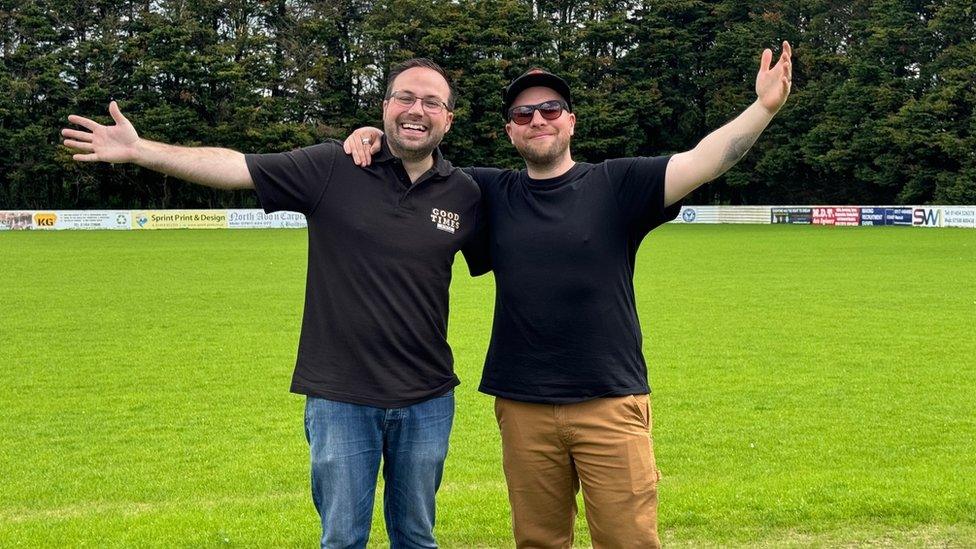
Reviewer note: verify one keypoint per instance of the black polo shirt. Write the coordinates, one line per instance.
(380, 252)
(563, 252)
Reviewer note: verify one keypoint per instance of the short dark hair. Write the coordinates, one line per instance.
(425, 63)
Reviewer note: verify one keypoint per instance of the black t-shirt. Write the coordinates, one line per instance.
(563, 250)
(380, 251)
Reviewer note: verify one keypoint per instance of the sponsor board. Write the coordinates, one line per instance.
(872, 216)
(954, 216)
(793, 216)
(82, 220)
(257, 219)
(45, 220)
(927, 217)
(833, 215)
(743, 214)
(823, 216)
(179, 219)
(898, 216)
(758, 215)
(16, 221)
(847, 216)
(698, 214)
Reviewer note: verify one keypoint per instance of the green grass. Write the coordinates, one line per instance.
(813, 387)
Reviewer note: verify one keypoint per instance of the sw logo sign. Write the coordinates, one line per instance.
(927, 217)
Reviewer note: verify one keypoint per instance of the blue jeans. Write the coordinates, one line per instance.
(346, 444)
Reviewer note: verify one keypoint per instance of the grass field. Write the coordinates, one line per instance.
(813, 387)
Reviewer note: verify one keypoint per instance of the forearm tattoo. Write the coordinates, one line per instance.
(737, 148)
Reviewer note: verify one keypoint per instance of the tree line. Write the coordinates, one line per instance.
(882, 110)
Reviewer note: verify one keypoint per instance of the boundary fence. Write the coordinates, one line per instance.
(908, 216)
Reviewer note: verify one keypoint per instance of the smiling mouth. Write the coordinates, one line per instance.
(411, 128)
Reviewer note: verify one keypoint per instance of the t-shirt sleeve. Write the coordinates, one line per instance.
(477, 252)
(292, 181)
(638, 184)
(484, 177)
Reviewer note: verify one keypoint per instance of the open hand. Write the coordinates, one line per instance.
(362, 144)
(102, 143)
(773, 83)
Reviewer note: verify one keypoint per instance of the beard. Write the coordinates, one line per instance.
(411, 149)
(542, 156)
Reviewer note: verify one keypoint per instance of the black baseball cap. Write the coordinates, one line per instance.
(531, 79)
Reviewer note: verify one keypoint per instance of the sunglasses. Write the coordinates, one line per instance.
(550, 110)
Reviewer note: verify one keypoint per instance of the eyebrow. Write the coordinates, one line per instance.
(415, 94)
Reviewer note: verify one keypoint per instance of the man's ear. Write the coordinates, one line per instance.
(450, 121)
(572, 123)
(508, 131)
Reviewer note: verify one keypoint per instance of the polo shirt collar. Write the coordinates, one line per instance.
(441, 166)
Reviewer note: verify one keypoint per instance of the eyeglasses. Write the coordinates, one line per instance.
(550, 110)
(431, 105)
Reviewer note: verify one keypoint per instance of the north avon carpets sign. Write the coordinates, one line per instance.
(257, 219)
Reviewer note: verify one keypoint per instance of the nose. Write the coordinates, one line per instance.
(537, 119)
(416, 108)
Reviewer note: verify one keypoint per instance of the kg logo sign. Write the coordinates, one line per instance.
(688, 215)
(45, 220)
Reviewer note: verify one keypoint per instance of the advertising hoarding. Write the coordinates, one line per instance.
(257, 219)
(793, 216)
(179, 219)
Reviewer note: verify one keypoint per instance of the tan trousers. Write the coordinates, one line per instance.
(548, 451)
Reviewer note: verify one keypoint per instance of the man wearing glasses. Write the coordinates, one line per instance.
(565, 361)
(373, 359)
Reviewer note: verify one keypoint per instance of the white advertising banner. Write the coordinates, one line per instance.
(724, 214)
(60, 220)
(927, 216)
(257, 219)
(959, 216)
(697, 214)
(179, 219)
(16, 221)
(744, 214)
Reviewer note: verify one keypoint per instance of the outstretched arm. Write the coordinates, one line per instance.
(210, 166)
(723, 148)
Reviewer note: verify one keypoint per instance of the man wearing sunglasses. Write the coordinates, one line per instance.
(565, 361)
(373, 359)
